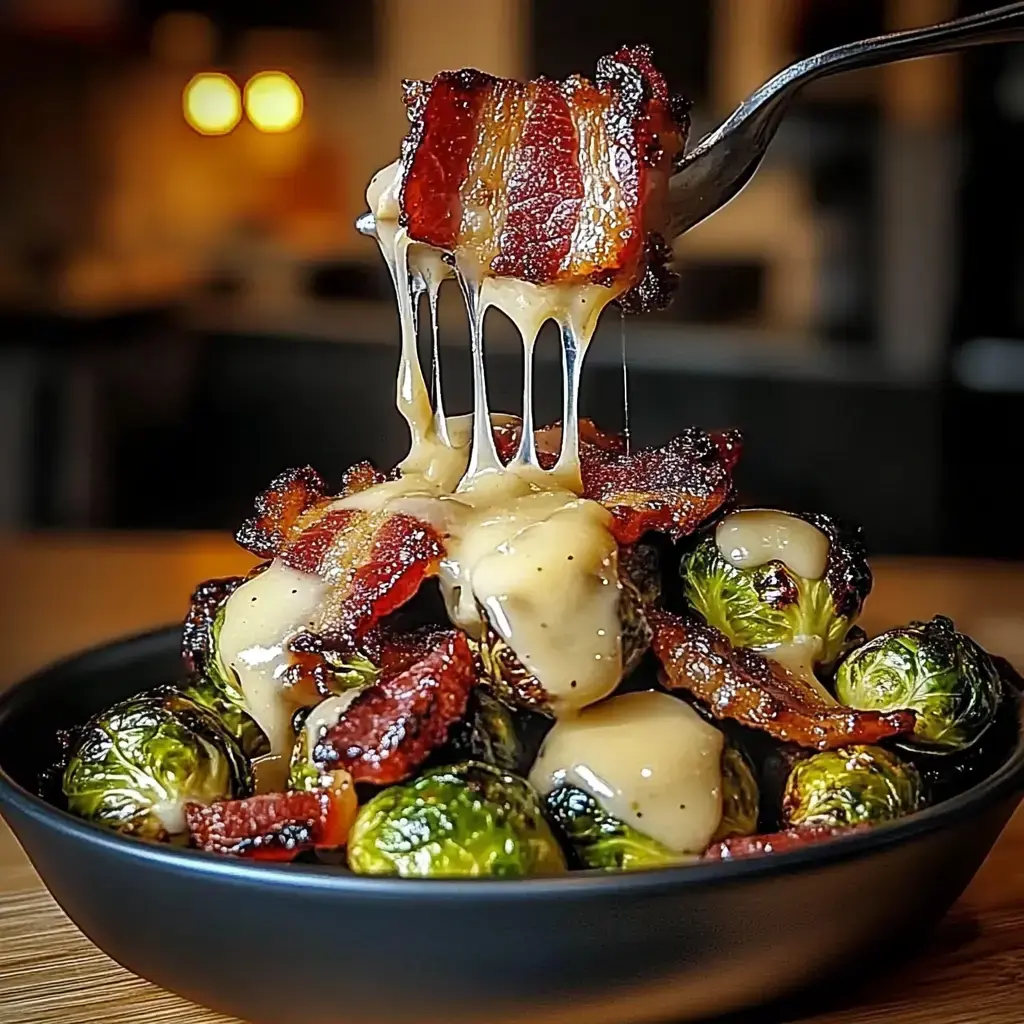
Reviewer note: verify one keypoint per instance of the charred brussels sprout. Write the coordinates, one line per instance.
(487, 733)
(466, 820)
(602, 842)
(942, 675)
(740, 795)
(851, 786)
(134, 766)
(213, 685)
(768, 605)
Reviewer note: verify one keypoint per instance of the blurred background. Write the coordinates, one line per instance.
(186, 308)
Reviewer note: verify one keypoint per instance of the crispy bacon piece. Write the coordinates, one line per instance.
(279, 511)
(548, 181)
(360, 477)
(206, 601)
(391, 727)
(374, 561)
(593, 441)
(776, 842)
(292, 502)
(673, 489)
(275, 826)
(743, 685)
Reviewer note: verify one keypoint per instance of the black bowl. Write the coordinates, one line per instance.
(291, 944)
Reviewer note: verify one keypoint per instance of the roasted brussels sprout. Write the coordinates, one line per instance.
(740, 795)
(487, 733)
(942, 675)
(469, 819)
(600, 841)
(767, 605)
(134, 766)
(213, 685)
(851, 786)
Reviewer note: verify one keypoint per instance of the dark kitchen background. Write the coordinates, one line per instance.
(186, 308)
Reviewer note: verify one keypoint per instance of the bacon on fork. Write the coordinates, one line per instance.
(547, 181)
(741, 684)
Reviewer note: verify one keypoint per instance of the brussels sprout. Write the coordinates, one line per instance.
(466, 820)
(740, 795)
(851, 786)
(487, 733)
(601, 841)
(942, 675)
(769, 605)
(214, 685)
(134, 766)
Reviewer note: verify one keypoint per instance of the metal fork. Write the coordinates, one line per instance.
(722, 163)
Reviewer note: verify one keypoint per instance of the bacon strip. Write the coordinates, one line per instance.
(391, 727)
(776, 842)
(375, 562)
(441, 143)
(743, 685)
(594, 442)
(279, 511)
(547, 181)
(673, 489)
(275, 826)
(294, 500)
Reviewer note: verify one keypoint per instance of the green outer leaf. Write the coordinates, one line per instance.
(851, 786)
(944, 676)
(601, 841)
(149, 754)
(469, 819)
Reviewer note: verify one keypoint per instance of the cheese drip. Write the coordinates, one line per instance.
(648, 759)
(261, 616)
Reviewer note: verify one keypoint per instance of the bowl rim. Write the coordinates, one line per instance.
(1007, 781)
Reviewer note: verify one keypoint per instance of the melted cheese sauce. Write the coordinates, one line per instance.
(261, 616)
(648, 759)
(754, 537)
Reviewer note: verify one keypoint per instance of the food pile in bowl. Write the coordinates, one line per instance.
(527, 651)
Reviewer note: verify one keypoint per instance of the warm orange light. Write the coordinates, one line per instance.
(273, 101)
(212, 104)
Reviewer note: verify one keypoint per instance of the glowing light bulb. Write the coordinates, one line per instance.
(211, 103)
(273, 101)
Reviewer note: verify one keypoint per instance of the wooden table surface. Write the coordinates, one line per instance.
(63, 593)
